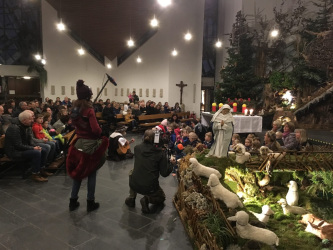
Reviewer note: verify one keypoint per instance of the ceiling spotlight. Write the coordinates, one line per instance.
(43, 61)
(218, 44)
(188, 36)
(164, 3)
(139, 60)
(130, 43)
(109, 66)
(174, 52)
(154, 22)
(274, 33)
(38, 57)
(61, 26)
(81, 51)
(26, 77)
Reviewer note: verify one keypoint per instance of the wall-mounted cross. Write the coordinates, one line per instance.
(181, 85)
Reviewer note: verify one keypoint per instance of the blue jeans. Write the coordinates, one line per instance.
(45, 152)
(90, 186)
(34, 157)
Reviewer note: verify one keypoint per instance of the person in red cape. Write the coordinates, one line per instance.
(87, 152)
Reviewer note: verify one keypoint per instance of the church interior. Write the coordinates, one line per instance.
(237, 94)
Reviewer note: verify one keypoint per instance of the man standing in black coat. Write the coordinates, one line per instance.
(150, 162)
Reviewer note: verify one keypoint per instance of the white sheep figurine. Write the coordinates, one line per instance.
(265, 151)
(221, 193)
(292, 195)
(241, 154)
(287, 209)
(247, 231)
(266, 211)
(202, 170)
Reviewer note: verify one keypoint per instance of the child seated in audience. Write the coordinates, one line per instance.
(208, 142)
(248, 144)
(255, 146)
(185, 136)
(179, 148)
(57, 137)
(130, 119)
(233, 141)
(194, 139)
(279, 135)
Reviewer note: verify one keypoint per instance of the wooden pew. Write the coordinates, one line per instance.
(184, 116)
(121, 120)
(149, 121)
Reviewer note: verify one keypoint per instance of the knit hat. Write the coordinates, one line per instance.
(164, 122)
(83, 91)
(180, 146)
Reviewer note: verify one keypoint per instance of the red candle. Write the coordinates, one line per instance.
(243, 108)
(214, 107)
(234, 107)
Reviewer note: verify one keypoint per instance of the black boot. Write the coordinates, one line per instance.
(145, 205)
(130, 202)
(92, 205)
(73, 204)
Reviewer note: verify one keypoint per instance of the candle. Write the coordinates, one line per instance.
(214, 107)
(246, 111)
(234, 107)
(220, 105)
(243, 108)
(251, 111)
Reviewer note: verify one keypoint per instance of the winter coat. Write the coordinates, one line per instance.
(150, 162)
(18, 139)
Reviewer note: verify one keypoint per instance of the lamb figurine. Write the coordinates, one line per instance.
(292, 195)
(241, 154)
(247, 231)
(266, 211)
(221, 193)
(202, 170)
(287, 209)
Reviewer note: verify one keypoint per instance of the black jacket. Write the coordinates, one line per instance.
(150, 163)
(18, 139)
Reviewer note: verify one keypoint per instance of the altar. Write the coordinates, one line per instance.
(243, 124)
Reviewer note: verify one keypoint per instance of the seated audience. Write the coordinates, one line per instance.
(166, 108)
(279, 135)
(248, 144)
(270, 141)
(199, 129)
(174, 119)
(177, 108)
(277, 126)
(129, 118)
(302, 139)
(289, 138)
(185, 136)
(208, 142)
(19, 145)
(234, 142)
(194, 139)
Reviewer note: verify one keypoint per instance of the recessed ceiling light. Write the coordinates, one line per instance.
(109, 66)
(26, 77)
(154, 22)
(139, 60)
(81, 51)
(61, 26)
(164, 3)
(218, 44)
(130, 43)
(43, 61)
(188, 36)
(174, 52)
(38, 57)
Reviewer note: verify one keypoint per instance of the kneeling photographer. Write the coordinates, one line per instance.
(151, 161)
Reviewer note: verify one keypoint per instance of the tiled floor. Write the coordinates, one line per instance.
(35, 215)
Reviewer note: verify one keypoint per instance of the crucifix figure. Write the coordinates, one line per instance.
(181, 86)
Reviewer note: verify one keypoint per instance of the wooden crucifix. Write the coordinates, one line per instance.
(181, 85)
